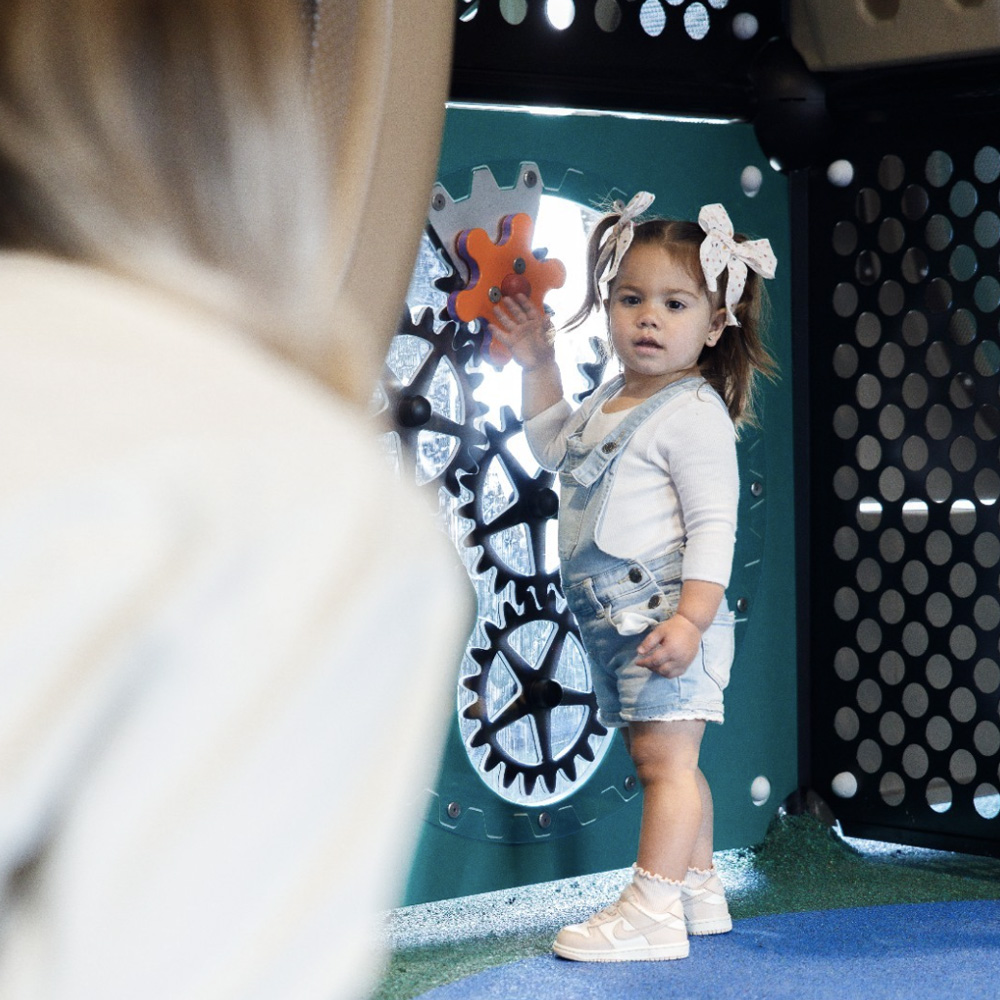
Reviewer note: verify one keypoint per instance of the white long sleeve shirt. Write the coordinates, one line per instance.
(677, 484)
(228, 638)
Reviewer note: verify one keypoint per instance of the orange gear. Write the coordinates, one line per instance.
(498, 269)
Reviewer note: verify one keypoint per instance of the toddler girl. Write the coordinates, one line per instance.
(647, 525)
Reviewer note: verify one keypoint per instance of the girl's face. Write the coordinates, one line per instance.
(659, 318)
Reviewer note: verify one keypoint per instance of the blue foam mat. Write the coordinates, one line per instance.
(920, 951)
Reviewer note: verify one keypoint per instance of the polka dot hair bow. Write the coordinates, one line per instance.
(719, 252)
(619, 239)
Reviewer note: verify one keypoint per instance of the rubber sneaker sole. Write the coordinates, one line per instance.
(640, 953)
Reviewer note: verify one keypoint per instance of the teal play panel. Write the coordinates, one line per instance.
(476, 839)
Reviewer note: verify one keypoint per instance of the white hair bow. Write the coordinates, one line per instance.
(720, 251)
(619, 239)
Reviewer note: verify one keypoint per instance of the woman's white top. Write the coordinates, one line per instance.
(677, 482)
(228, 642)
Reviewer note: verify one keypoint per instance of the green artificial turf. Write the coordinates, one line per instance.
(801, 865)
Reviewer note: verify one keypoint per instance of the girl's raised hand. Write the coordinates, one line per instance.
(524, 331)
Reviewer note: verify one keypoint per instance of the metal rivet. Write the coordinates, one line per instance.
(438, 202)
(495, 294)
(630, 783)
(530, 178)
(635, 574)
(519, 265)
(454, 810)
(742, 604)
(608, 447)
(654, 601)
(756, 488)
(544, 820)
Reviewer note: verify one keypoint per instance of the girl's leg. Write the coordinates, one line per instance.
(677, 805)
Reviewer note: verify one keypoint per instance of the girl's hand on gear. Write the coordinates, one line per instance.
(670, 647)
(524, 331)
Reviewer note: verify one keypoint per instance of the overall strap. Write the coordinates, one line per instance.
(593, 466)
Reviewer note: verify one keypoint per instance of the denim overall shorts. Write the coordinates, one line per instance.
(616, 601)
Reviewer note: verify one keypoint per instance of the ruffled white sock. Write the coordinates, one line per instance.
(657, 892)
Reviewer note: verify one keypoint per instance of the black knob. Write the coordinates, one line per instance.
(547, 503)
(413, 411)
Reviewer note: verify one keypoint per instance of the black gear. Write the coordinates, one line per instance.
(539, 694)
(411, 412)
(535, 504)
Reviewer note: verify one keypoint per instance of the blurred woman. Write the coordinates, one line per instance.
(226, 632)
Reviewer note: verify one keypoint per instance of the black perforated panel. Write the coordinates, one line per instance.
(905, 413)
(686, 57)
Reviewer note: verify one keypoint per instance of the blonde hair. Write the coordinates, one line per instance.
(732, 366)
(173, 142)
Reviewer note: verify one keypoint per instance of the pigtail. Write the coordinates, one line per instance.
(734, 365)
(592, 300)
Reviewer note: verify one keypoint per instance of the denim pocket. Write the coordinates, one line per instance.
(641, 609)
(718, 646)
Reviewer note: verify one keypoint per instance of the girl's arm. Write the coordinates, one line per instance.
(526, 333)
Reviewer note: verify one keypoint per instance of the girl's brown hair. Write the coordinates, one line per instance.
(733, 365)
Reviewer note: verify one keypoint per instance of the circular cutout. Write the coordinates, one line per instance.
(846, 724)
(869, 696)
(914, 328)
(962, 390)
(962, 767)
(987, 422)
(963, 199)
(891, 788)
(846, 665)
(845, 543)
(891, 360)
(915, 639)
(915, 453)
(845, 483)
(962, 705)
(915, 761)
(987, 679)
(891, 422)
(845, 360)
(987, 230)
(891, 235)
(963, 454)
(937, 360)
(914, 202)
(891, 607)
(869, 756)
(986, 739)
(939, 672)
(938, 422)
(608, 14)
(915, 577)
(891, 172)
(915, 266)
(696, 22)
(868, 391)
(987, 801)
(868, 329)
(986, 613)
(962, 517)
(869, 573)
(868, 267)
(939, 168)
(891, 484)
(938, 610)
(845, 604)
(914, 391)
(938, 485)
(868, 205)
(845, 299)
(987, 293)
(939, 296)
(560, 13)
(868, 452)
(892, 545)
(938, 547)
(962, 642)
(986, 165)
(845, 422)
(986, 549)
(869, 635)
(891, 667)
(939, 232)
(745, 26)
(962, 327)
(962, 580)
(939, 795)
(963, 263)
(892, 729)
(986, 360)
(513, 11)
(891, 298)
